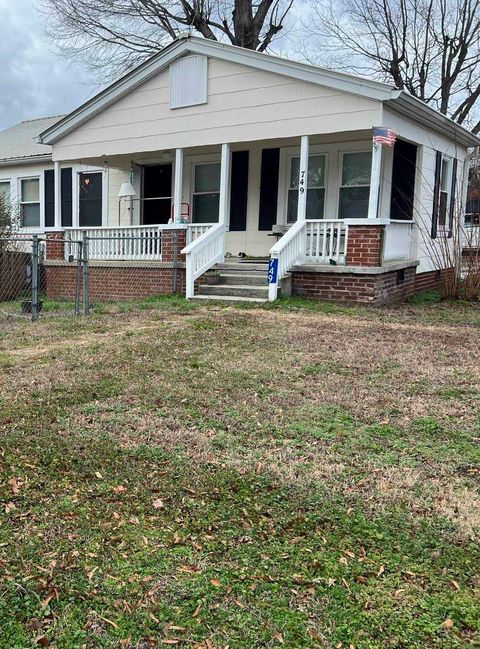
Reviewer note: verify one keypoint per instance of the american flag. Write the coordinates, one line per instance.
(382, 135)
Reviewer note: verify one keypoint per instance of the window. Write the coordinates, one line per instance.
(444, 192)
(5, 190)
(206, 193)
(355, 187)
(315, 188)
(30, 202)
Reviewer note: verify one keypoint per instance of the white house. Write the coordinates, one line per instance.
(240, 148)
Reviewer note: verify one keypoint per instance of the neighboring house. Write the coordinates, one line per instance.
(248, 147)
(27, 177)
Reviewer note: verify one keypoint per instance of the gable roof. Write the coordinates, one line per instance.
(397, 99)
(17, 143)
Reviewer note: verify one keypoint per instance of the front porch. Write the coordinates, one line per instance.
(313, 204)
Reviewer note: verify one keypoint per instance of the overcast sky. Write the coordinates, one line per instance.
(33, 81)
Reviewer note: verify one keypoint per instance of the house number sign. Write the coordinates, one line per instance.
(272, 271)
(302, 182)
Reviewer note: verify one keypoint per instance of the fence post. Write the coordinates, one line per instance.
(35, 243)
(86, 292)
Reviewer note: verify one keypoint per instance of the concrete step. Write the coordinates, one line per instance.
(237, 290)
(252, 278)
(243, 267)
(229, 298)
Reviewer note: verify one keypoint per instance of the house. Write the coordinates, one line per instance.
(27, 177)
(209, 151)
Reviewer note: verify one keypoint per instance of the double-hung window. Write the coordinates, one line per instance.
(30, 202)
(444, 192)
(315, 188)
(206, 192)
(355, 186)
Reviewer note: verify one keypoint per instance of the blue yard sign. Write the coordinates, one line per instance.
(272, 271)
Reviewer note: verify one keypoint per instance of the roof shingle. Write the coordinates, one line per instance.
(18, 142)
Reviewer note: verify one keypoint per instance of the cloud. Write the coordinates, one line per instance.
(33, 81)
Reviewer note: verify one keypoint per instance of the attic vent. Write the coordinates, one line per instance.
(188, 81)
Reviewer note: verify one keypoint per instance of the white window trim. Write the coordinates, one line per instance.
(198, 163)
(340, 175)
(293, 156)
(41, 202)
(334, 152)
(448, 191)
(189, 174)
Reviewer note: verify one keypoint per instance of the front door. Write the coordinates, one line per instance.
(157, 194)
(90, 200)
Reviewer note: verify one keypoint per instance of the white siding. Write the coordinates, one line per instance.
(428, 142)
(244, 105)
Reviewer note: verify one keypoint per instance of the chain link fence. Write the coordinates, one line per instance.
(23, 280)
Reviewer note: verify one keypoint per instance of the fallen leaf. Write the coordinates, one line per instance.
(331, 581)
(279, 637)
(197, 611)
(98, 475)
(158, 504)
(381, 570)
(43, 641)
(448, 624)
(14, 486)
(120, 489)
(454, 584)
(216, 582)
(9, 507)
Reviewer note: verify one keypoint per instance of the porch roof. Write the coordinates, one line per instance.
(396, 99)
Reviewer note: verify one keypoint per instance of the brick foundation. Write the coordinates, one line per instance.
(428, 281)
(110, 283)
(375, 289)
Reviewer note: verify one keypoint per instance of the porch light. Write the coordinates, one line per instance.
(127, 190)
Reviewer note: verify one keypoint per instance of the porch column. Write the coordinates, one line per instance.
(303, 179)
(224, 204)
(57, 195)
(375, 178)
(177, 192)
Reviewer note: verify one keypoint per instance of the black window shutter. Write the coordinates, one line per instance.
(49, 197)
(239, 191)
(66, 193)
(453, 197)
(436, 192)
(267, 216)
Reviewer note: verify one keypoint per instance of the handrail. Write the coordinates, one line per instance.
(203, 253)
(312, 240)
(284, 254)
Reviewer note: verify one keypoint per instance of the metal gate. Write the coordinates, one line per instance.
(25, 277)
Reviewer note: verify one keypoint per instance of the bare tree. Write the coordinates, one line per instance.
(116, 35)
(431, 48)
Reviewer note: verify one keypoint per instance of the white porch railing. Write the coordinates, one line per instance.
(397, 245)
(317, 241)
(196, 230)
(139, 243)
(203, 253)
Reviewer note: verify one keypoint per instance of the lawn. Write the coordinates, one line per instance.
(211, 477)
